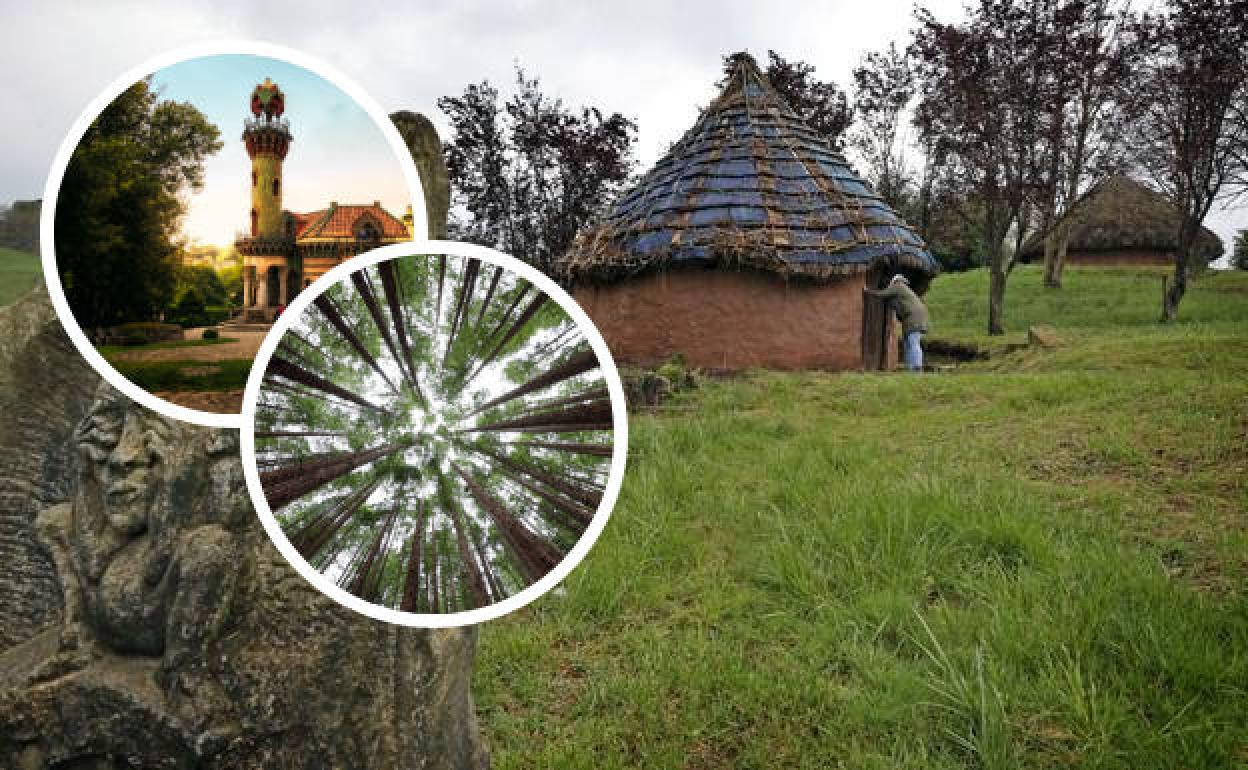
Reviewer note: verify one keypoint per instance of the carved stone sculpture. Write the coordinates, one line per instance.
(164, 630)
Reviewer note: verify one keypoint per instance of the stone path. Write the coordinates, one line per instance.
(246, 347)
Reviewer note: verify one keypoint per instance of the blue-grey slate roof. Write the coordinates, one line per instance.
(749, 185)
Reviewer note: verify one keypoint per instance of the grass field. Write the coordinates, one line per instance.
(228, 374)
(111, 350)
(18, 271)
(1036, 561)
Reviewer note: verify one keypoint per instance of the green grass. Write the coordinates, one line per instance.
(229, 374)
(111, 350)
(1038, 561)
(18, 272)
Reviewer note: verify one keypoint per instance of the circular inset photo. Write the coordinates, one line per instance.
(436, 439)
(195, 199)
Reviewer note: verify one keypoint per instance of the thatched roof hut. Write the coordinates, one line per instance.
(790, 231)
(1122, 222)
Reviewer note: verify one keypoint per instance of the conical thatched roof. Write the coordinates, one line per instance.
(749, 185)
(1120, 214)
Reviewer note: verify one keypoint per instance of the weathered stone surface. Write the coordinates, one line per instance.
(426, 149)
(163, 629)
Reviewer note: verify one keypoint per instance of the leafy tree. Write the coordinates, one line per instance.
(19, 225)
(884, 86)
(528, 173)
(201, 280)
(1239, 257)
(980, 83)
(118, 208)
(1190, 132)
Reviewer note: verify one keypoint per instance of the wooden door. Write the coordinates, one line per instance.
(877, 319)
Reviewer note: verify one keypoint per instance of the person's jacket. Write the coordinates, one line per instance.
(906, 304)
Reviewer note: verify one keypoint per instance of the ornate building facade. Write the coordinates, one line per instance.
(283, 252)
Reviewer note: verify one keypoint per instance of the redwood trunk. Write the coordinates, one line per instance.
(579, 363)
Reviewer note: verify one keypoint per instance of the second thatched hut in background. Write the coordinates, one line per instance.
(747, 245)
(1122, 222)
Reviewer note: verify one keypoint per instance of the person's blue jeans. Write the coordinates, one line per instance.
(914, 351)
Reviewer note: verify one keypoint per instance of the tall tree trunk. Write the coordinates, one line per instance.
(563, 504)
(579, 363)
(390, 287)
(282, 367)
(476, 582)
(591, 450)
(411, 584)
(294, 433)
(360, 279)
(533, 555)
(498, 273)
(1182, 258)
(496, 589)
(529, 311)
(595, 415)
(334, 316)
(313, 537)
(286, 484)
(587, 498)
(466, 287)
(435, 606)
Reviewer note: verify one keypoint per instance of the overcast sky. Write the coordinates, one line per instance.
(653, 61)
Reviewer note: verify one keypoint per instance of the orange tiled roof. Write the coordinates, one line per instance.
(342, 221)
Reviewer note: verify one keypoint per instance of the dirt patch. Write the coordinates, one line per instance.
(220, 401)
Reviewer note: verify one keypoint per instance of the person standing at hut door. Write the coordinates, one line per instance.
(912, 313)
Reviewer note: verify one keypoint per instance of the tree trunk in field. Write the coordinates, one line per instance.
(476, 582)
(579, 363)
(996, 295)
(411, 584)
(331, 313)
(591, 450)
(533, 554)
(1178, 287)
(282, 367)
(595, 415)
(286, 484)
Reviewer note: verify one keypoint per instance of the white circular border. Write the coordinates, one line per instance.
(47, 222)
(619, 413)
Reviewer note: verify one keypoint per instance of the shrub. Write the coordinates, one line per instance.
(210, 334)
(135, 338)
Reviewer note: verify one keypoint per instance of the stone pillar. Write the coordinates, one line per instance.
(262, 288)
(248, 280)
(283, 296)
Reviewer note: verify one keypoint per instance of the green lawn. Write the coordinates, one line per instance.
(1037, 561)
(111, 350)
(18, 272)
(228, 374)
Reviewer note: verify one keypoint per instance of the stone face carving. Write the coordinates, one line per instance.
(163, 629)
(147, 550)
